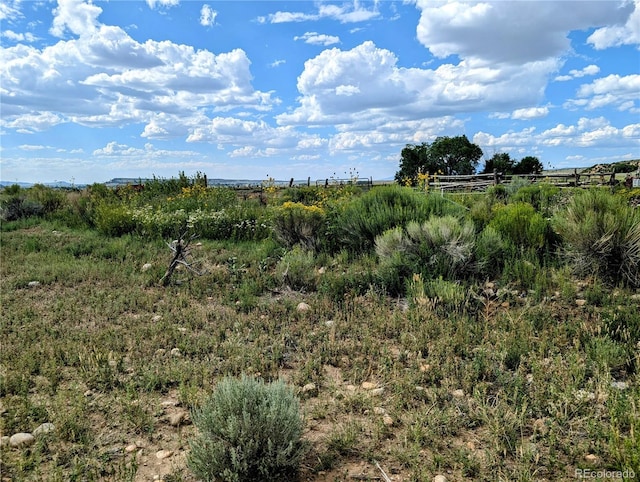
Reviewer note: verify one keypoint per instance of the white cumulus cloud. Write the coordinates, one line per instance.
(207, 16)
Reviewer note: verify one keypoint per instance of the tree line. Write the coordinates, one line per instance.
(457, 156)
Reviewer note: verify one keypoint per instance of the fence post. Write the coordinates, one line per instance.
(308, 181)
(291, 182)
(577, 176)
(496, 179)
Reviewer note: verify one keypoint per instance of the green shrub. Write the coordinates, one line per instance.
(114, 219)
(542, 197)
(17, 207)
(490, 252)
(438, 247)
(296, 223)
(521, 225)
(297, 269)
(602, 236)
(383, 208)
(249, 430)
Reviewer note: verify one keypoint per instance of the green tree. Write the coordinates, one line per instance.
(501, 162)
(446, 155)
(528, 165)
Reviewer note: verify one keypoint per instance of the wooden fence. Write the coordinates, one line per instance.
(480, 182)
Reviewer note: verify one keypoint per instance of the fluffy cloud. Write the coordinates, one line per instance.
(587, 132)
(343, 14)
(621, 34)
(105, 77)
(575, 74)
(162, 3)
(365, 85)
(318, 39)
(530, 113)
(207, 16)
(612, 90)
(509, 32)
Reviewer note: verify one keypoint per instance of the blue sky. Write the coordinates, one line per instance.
(255, 89)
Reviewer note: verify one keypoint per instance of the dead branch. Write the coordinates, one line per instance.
(180, 249)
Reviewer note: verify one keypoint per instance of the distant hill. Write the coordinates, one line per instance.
(620, 166)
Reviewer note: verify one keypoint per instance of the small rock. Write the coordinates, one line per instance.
(322, 270)
(302, 307)
(33, 284)
(620, 385)
(4, 440)
(146, 267)
(329, 323)
(387, 420)
(160, 352)
(425, 368)
(379, 411)
(22, 439)
(351, 388)
(439, 478)
(176, 352)
(591, 458)
(156, 318)
(376, 392)
(176, 419)
(164, 454)
(369, 385)
(131, 448)
(459, 393)
(44, 428)
(309, 388)
(581, 302)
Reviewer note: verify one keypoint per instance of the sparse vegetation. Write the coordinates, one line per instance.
(497, 333)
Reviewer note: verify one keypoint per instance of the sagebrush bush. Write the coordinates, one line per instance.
(248, 430)
(439, 247)
(601, 233)
(383, 208)
(297, 269)
(521, 225)
(490, 252)
(296, 223)
(114, 219)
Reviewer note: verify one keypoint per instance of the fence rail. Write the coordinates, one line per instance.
(480, 182)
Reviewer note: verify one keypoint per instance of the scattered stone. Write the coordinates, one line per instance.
(351, 388)
(33, 284)
(620, 385)
(585, 395)
(44, 428)
(581, 302)
(131, 448)
(156, 318)
(540, 426)
(459, 393)
(164, 454)
(146, 267)
(309, 388)
(425, 368)
(178, 418)
(22, 439)
(387, 420)
(591, 458)
(176, 352)
(302, 307)
(439, 478)
(160, 352)
(329, 323)
(4, 440)
(322, 270)
(369, 385)
(379, 411)
(376, 392)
